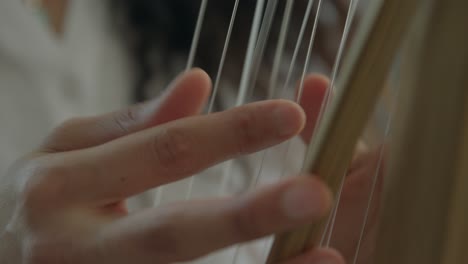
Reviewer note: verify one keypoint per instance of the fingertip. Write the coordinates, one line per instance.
(290, 116)
(195, 79)
(185, 96)
(315, 87)
(306, 198)
(317, 81)
(201, 77)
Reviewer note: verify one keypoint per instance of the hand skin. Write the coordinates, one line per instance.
(69, 195)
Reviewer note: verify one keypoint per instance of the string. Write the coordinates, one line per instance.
(190, 61)
(262, 39)
(217, 80)
(337, 63)
(223, 56)
(275, 70)
(331, 218)
(248, 63)
(255, 66)
(344, 39)
(309, 51)
(280, 48)
(246, 73)
(375, 179)
(260, 49)
(293, 63)
(196, 35)
(327, 99)
(303, 74)
(298, 45)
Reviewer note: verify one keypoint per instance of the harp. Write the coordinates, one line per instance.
(423, 209)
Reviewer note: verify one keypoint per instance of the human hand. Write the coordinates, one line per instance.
(68, 197)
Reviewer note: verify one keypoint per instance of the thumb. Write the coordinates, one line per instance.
(186, 97)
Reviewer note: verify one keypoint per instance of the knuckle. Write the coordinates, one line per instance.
(43, 182)
(171, 149)
(245, 128)
(125, 119)
(60, 134)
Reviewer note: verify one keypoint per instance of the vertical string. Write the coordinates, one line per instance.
(255, 50)
(262, 40)
(274, 75)
(223, 56)
(344, 40)
(190, 61)
(280, 48)
(259, 52)
(293, 63)
(303, 74)
(246, 73)
(196, 35)
(375, 178)
(335, 212)
(337, 63)
(309, 51)
(336, 66)
(249, 58)
(217, 80)
(298, 45)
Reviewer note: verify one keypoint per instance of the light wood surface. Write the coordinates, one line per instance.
(425, 211)
(363, 75)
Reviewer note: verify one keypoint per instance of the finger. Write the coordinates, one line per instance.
(365, 174)
(178, 149)
(186, 97)
(190, 230)
(318, 256)
(315, 87)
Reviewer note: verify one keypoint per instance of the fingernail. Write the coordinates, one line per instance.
(304, 201)
(287, 119)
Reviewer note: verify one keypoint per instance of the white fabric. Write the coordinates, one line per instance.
(44, 81)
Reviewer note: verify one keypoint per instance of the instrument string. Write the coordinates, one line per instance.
(250, 55)
(375, 179)
(280, 48)
(309, 51)
(217, 81)
(328, 231)
(272, 89)
(292, 64)
(344, 40)
(244, 83)
(223, 56)
(304, 72)
(190, 62)
(326, 102)
(262, 40)
(196, 35)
